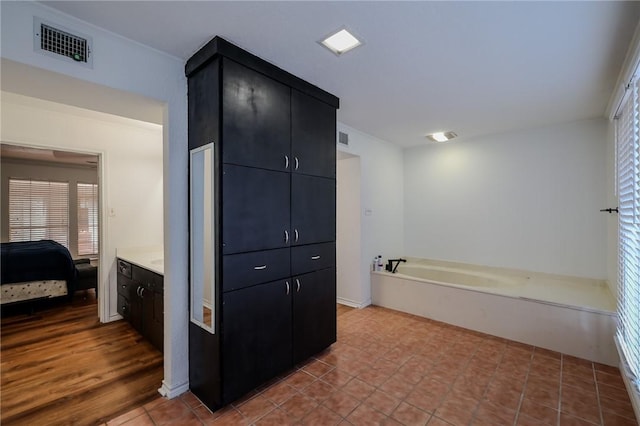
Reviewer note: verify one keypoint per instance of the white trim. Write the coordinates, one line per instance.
(352, 303)
(170, 393)
(634, 396)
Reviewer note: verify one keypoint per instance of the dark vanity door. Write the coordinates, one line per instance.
(255, 119)
(313, 136)
(313, 209)
(255, 209)
(257, 336)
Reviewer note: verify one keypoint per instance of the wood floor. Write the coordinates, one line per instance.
(60, 366)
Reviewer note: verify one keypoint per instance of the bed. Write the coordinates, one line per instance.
(35, 270)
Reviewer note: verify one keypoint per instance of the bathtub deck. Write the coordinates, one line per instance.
(551, 320)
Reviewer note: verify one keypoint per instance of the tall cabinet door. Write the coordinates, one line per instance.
(256, 325)
(255, 209)
(314, 312)
(255, 119)
(313, 209)
(313, 136)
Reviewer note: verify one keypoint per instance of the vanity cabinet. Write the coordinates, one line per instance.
(140, 301)
(274, 164)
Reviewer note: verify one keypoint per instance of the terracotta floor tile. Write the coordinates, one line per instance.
(457, 409)
(143, 420)
(300, 379)
(606, 368)
(341, 403)
(411, 375)
(358, 389)
(547, 353)
(541, 413)
(611, 419)
(489, 414)
(397, 387)
(173, 410)
(473, 386)
(337, 378)
(503, 393)
(319, 390)
(256, 407)
(614, 380)
(614, 392)
(298, 406)
(567, 420)
(318, 368)
(321, 416)
(542, 391)
(435, 421)
(578, 381)
(424, 399)
(620, 407)
(277, 417)
(366, 416)
(279, 393)
(374, 377)
(382, 401)
(524, 420)
(409, 415)
(232, 418)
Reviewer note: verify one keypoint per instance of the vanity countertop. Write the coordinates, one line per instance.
(151, 258)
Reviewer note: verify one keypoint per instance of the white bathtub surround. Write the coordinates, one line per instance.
(151, 258)
(575, 316)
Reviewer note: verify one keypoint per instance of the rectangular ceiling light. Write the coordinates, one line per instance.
(442, 136)
(341, 42)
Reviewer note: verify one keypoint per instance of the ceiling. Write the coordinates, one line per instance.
(475, 68)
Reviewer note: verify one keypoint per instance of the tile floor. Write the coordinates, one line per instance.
(390, 368)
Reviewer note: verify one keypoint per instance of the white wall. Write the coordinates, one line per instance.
(526, 200)
(37, 170)
(612, 219)
(348, 224)
(381, 195)
(125, 66)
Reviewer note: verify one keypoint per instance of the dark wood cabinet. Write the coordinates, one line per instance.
(255, 209)
(256, 128)
(140, 301)
(314, 313)
(275, 162)
(313, 135)
(313, 209)
(257, 336)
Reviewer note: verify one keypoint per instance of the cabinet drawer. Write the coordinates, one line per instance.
(123, 306)
(312, 257)
(247, 269)
(124, 268)
(149, 279)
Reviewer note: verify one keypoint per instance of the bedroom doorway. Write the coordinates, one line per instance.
(53, 194)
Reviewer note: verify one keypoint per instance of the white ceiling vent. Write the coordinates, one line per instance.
(343, 138)
(54, 40)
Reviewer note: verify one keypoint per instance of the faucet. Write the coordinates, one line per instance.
(389, 267)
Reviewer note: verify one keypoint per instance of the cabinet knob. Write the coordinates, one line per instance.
(297, 285)
(296, 235)
(286, 162)
(297, 163)
(288, 287)
(286, 236)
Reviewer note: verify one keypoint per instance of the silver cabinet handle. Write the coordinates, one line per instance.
(295, 232)
(286, 162)
(260, 268)
(141, 291)
(315, 257)
(286, 236)
(296, 162)
(288, 287)
(138, 291)
(297, 285)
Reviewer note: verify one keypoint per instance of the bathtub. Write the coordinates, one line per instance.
(572, 315)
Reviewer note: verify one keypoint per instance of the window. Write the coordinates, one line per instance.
(38, 210)
(628, 165)
(87, 218)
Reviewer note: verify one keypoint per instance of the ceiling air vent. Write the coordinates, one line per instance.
(53, 40)
(343, 138)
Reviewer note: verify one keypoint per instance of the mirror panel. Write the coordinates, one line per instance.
(202, 235)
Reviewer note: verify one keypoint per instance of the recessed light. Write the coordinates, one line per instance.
(442, 136)
(341, 42)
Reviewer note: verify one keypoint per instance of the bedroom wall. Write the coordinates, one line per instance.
(21, 169)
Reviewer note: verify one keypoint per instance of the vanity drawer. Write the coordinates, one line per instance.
(312, 257)
(247, 269)
(123, 306)
(148, 278)
(124, 268)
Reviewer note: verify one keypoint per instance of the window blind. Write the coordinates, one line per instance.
(38, 210)
(87, 218)
(628, 151)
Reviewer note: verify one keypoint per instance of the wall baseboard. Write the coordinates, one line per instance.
(352, 303)
(170, 393)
